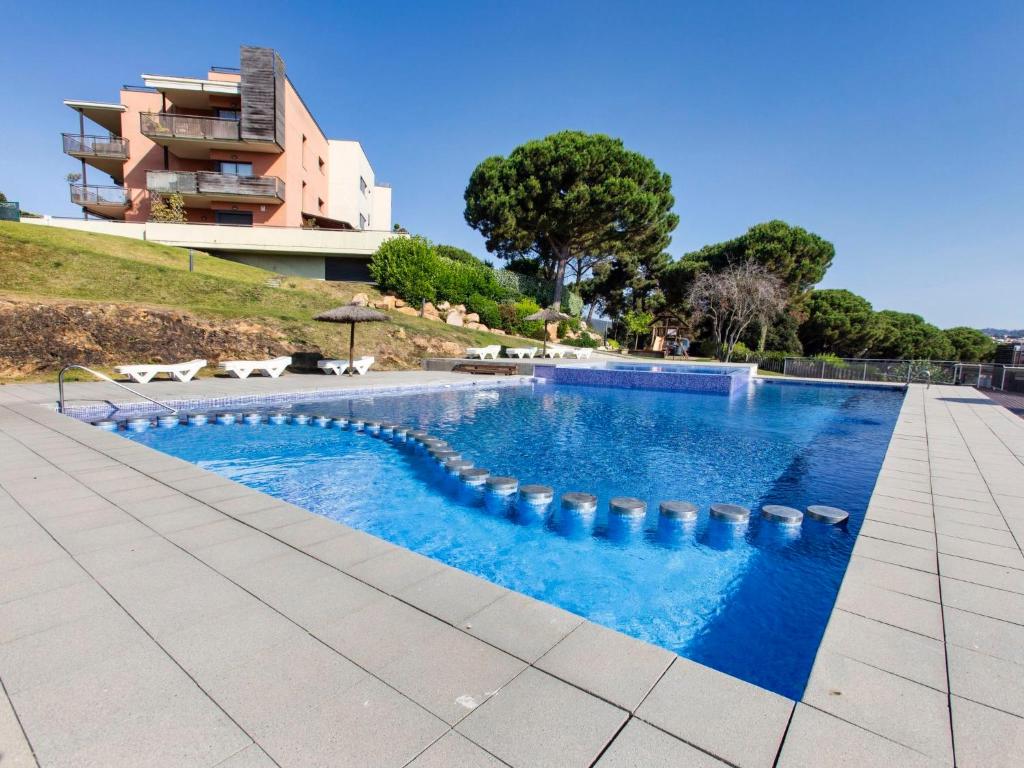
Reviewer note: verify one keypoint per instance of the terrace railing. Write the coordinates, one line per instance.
(92, 194)
(95, 146)
(859, 369)
(214, 183)
(169, 125)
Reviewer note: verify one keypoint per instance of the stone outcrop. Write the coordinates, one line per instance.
(360, 300)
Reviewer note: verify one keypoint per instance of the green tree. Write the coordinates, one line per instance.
(902, 335)
(970, 345)
(839, 323)
(569, 195)
(637, 323)
(456, 254)
(170, 211)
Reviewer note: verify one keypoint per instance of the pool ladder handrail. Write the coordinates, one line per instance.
(104, 377)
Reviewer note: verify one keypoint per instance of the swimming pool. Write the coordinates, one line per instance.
(750, 601)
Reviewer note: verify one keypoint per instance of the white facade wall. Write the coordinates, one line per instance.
(352, 190)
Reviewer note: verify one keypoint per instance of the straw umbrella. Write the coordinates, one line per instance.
(548, 315)
(351, 314)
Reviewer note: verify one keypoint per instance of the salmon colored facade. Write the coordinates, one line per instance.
(239, 146)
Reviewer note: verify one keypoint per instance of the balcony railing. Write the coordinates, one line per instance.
(94, 195)
(213, 184)
(166, 125)
(96, 146)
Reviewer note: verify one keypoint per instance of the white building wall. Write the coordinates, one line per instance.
(352, 190)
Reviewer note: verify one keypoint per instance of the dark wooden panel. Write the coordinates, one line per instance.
(259, 95)
(346, 269)
(279, 81)
(230, 184)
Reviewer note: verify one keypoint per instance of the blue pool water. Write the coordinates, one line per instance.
(752, 602)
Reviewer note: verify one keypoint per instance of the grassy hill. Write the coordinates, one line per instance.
(68, 296)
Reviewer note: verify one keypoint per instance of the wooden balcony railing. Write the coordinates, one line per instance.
(95, 195)
(214, 184)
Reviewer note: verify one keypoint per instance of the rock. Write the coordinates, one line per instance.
(477, 326)
(497, 331)
(552, 329)
(451, 349)
(454, 318)
(460, 308)
(399, 303)
(472, 317)
(385, 302)
(360, 300)
(443, 306)
(407, 310)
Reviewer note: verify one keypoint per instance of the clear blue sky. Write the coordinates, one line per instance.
(893, 129)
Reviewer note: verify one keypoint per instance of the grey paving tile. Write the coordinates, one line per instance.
(15, 750)
(201, 536)
(985, 535)
(20, 556)
(844, 746)
(905, 611)
(986, 680)
(985, 737)
(681, 701)
(521, 626)
(986, 574)
(455, 750)
(250, 757)
(246, 504)
(896, 554)
(639, 745)
(986, 553)
(39, 578)
(346, 551)
(556, 725)
(979, 633)
(306, 705)
(137, 708)
(895, 578)
(452, 595)
(997, 603)
(310, 531)
(80, 542)
(903, 711)
(191, 516)
(174, 502)
(898, 533)
(228, 556)
(41, 611)
(608, 664)
(446, 671)
(905, 519)
(275, 516)
(394, 570)
(907, 654)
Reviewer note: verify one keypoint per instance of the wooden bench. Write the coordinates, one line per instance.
(485, 369)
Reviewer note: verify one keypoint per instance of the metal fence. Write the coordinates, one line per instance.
(10, 211)
(1006, 378)
(859, 369)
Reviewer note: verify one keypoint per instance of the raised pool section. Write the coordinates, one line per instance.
(674, 377)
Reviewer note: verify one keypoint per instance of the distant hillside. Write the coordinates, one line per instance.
(68, 296)
(1014, 333)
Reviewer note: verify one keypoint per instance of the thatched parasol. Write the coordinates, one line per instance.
(548, 315)
(351, 314)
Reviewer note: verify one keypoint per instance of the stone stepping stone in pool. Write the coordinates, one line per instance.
(627, 505)
(536, 494)
(678, 510)
(502, 485)
(827, 515)
(732, 513)
(579, 502)
(474, 476)
(783, 515)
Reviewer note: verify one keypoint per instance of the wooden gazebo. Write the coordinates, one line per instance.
(666, 328)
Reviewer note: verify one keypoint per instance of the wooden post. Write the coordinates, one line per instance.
(351, 347)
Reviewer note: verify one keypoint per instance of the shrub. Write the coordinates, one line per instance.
(170, 211)
(487, 308)
(611, 344)
(513, 319)
(456, 254)
(406, 266)
(572, 304)
(572, 325)
(583, 341)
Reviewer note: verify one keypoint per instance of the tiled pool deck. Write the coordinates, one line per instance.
(152, 613)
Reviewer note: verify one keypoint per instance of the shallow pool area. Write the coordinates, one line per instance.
(751, 600)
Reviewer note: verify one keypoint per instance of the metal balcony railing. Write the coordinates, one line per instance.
(168, 125)
(95, 195)
(214, 184)
(95, 146)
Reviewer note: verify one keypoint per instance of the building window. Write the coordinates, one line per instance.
(236, 218)
(320, 204)
(362, 185)
(303, 150)
(231, 166)
(228, 114)
(363, 221)
(321, 163)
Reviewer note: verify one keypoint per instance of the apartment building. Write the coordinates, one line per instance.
(240, 147)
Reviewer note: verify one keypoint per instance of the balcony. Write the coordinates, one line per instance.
(105, 153)
(200, 188)
(109, 202)
(193, 136)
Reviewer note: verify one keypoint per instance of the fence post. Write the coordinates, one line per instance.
(822, 376)
(191, 261)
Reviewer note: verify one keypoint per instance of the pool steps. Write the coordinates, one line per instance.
(531, 500)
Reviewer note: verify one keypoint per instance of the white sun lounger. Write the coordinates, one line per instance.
(483, 352)
(554, 352)
(242, 369)
(521, 352)
(580, 353)
(360, 365)
(142, 374)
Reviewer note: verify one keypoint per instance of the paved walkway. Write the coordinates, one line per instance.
(152, 614)
(1011, 401)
